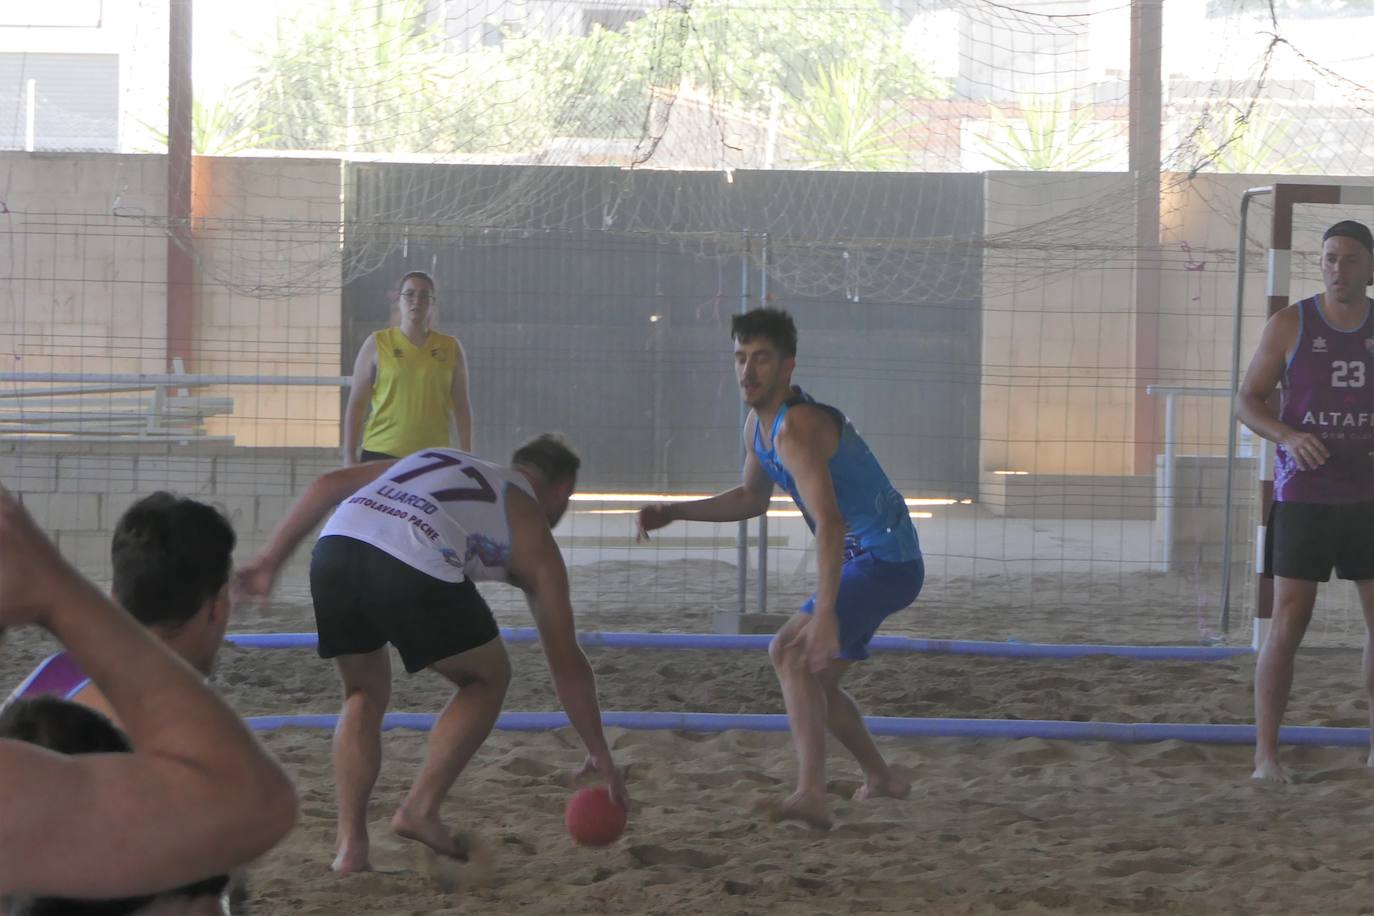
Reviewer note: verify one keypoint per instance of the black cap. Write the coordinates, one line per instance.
(1352, 230)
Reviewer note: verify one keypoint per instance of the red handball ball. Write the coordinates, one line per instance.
(593, 819)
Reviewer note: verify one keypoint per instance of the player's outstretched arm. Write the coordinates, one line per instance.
(537, 568)
(197, 797)
(255, 577)
(748, 500)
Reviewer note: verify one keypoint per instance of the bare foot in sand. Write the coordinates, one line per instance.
(1269, 771)
(890, 786)
(351, 859)
(811, 810)
(429, 831)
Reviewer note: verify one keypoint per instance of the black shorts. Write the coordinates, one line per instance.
(365, 598)
(1305, 540)
(365, 455)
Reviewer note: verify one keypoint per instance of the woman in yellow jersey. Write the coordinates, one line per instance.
(414, 379)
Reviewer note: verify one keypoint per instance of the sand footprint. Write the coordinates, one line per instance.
(653, 854)
(1122, 865)
(527, 766)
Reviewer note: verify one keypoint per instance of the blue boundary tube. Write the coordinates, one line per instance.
(638, 640)
(1140, 732)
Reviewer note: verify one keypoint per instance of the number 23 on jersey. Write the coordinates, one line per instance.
(1347, 373)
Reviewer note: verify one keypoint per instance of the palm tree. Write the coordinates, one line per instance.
(1050, 136)
(1249, 139)
(840, 123)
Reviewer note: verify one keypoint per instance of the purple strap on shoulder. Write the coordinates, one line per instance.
(58, 675)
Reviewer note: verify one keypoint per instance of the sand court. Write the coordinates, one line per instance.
(1021, 826)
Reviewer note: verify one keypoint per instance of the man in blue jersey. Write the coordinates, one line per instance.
(867, 553)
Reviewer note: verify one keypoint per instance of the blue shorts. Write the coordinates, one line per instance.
(871, 590)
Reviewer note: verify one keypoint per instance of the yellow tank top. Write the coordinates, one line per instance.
(412, 399)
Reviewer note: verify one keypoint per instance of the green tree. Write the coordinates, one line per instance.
(220, 128)
(1051, 135)
(377, 78)
(1248, 140)
(360, 77)
(839, 122)
(741, 51)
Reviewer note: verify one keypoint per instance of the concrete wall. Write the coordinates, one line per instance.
(85, 262)
(1058, 325)
(84, 288)
(86, 276)
(267, 294)
(78, 492)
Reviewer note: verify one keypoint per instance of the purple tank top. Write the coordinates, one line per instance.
(57, 675)
(1328, 391)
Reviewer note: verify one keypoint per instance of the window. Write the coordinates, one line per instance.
(74, 98)
(610, 18)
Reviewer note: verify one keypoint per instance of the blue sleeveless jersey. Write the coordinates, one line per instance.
(875, 515)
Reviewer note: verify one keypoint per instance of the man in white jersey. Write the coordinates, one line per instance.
(396, 564)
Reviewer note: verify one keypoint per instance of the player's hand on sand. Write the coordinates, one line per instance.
(819, 641)
(30, 566)
(253, 580)
(1307, 450)
(615, 779)
(651, 518)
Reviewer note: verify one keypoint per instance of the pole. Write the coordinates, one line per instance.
(742, 530)
(180, 269)
(1226, 546)
(763, 519)
(1146, 118)
(30, 113)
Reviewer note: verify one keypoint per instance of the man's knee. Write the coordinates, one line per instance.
(781, 651)
(1289, 626)
(489, 669)
(788, 657)
(498, 678)
(371, 699)
(775, 650)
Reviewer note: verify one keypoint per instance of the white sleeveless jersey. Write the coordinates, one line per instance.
(440, 511)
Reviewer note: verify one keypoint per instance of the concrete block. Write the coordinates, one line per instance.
(96, 473)
(188, 475)
(1066, 496)
(246, 475)
(27, 471)
(89, 552)
(270, 510)
(74, 512)
(308, 468)
(242, 511)
(113, 506)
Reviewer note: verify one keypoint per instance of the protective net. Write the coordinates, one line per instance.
(942, 194)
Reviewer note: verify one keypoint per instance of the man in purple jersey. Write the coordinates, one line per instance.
(1322, 350)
